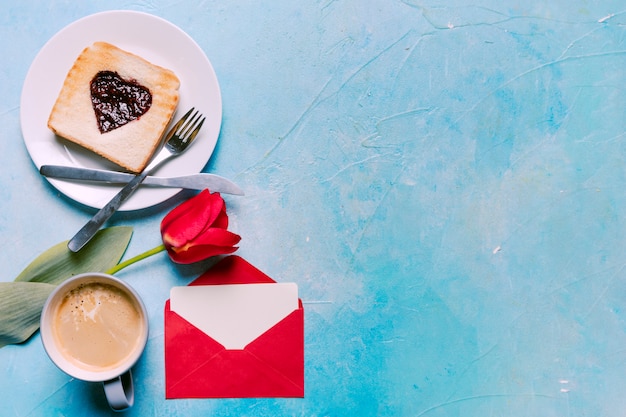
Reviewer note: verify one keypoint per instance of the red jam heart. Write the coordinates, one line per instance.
(117, 101)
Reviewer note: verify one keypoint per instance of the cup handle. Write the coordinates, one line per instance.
(120, 391)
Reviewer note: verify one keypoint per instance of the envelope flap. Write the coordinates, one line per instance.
(235, 315)
(232, 270)
(188, 347)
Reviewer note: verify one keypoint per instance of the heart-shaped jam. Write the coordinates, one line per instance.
(117, 101)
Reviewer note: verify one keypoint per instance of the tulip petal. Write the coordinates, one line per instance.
(221, 221)
(215, 242)
(185, 222)
(217, 237)
(197, 253)
(190, 216)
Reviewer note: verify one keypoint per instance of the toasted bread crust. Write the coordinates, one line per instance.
(132, 145)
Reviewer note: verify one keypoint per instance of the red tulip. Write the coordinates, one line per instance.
(197, 229)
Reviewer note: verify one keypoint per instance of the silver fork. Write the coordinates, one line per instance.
(180, 136)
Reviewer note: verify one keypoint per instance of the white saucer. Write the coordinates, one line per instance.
(150, 37)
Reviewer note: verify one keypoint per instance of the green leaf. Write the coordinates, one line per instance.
(58, 263)
(20, 309)
(21, 301)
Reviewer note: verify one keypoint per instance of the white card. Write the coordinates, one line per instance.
(234, 315)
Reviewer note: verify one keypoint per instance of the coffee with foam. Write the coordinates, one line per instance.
(94, 327)
(97, 326)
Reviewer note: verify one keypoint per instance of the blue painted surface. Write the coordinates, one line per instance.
(444, 181)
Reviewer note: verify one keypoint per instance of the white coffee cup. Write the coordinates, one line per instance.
(94, 327)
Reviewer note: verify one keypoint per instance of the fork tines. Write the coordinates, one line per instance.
(193, 124)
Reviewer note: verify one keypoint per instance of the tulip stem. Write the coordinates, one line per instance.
(137, 258)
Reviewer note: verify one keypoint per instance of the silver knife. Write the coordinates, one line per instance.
(214, 183)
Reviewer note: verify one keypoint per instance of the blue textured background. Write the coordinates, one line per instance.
(444, 180)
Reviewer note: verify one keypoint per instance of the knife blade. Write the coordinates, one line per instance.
(213, 182)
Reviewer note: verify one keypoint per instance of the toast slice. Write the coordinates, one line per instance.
(115, 104)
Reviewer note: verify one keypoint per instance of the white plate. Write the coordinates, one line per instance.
(150, 37)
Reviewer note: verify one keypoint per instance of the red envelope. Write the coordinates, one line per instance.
(197, 366)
